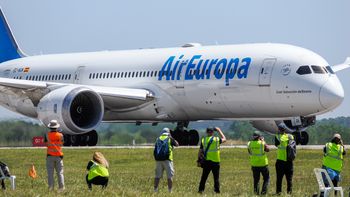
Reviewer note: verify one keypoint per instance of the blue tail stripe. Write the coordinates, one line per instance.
(8, 47)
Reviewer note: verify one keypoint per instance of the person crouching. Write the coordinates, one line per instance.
(97, 171)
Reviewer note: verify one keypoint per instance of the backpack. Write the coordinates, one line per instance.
(161, 150)
(5, 169)
(291, 149)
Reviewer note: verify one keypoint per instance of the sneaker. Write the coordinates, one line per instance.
(155, 189)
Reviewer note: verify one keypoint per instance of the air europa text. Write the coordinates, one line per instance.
(199, 68)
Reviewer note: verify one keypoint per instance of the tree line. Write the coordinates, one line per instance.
(20, 133)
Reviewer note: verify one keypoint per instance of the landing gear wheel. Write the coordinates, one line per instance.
(185, 138)
(297, 137)
(75, 139)
(92, 138)
(194, 137)
(83, 139)
(67, 140)
(304, 138)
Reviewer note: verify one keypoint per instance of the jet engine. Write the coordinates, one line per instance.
(296, 126)
(78, 109)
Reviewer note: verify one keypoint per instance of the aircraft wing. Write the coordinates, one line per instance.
(342, 66)
(113, 98)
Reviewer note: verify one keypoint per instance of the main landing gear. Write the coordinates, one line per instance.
(86, 139)
(301, 137)
(185, 137)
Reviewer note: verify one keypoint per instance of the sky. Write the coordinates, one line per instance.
(66, 26)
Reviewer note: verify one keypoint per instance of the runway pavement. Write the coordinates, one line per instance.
(306, 147)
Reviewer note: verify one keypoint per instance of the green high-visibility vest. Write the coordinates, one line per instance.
(334, 156)
(282, 148)
(258, 157)
(213, 153)
(97, 170)
(164, 137)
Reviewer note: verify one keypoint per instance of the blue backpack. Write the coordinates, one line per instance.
(161, 149)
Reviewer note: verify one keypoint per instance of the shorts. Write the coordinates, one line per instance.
(166, 165)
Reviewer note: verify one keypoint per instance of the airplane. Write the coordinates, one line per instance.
(265, 83)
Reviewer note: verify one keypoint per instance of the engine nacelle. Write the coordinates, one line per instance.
(294, 124)
(77, 109)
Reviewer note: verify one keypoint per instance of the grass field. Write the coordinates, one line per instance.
(132, 171)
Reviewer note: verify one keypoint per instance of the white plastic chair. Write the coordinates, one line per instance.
(12, 179)
(327, 191)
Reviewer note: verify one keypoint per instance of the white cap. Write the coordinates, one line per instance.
(53, 124)
(165, 130)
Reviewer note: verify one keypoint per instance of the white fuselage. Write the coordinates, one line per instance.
(261, 83)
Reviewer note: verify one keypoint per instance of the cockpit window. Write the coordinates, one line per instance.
(304, 70)
(318, 69)
(329, 69)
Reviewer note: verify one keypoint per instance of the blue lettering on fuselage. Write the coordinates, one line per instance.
(199, 68)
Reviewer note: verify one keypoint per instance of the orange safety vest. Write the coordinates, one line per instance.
(54, 143)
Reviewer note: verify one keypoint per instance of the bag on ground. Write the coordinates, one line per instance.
(5, 169)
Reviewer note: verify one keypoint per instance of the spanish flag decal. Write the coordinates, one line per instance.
(26, 69)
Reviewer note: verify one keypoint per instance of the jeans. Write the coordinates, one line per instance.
(207, 167)
(284, 168)
(264, 171)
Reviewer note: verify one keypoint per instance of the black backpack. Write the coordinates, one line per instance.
(161, 150)
(291, 148)
(5, 169)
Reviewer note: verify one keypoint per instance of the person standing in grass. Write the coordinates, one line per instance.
(210, 148)
(333, 158)
(284, 167)
(163, 154)
(54, 159)
(257, 149)
(97, 171)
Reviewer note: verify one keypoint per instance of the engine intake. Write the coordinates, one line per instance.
(78, 109)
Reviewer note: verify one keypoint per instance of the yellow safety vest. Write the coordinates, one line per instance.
(164, 137)
(213, 153)
(258, 157)
(282, 148)
(97, 170)
(334, 156)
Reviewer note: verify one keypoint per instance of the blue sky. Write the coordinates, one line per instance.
(44, 27)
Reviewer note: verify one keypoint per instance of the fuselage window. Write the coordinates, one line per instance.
(133, 73)
(118, 75)
(69, 76)
(121, 74)
(304, 70)
(115, 74)
(45, 77)
(330, 69)
(155, 73)
(137, 74)
(151, 73)
(317, 69)
(129, 74)
(90, 75)
(56, 77)
(104, 75)
(66, 77)
(100, 76)
(107, 75)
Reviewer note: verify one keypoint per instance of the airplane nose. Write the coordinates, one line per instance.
(331, 94)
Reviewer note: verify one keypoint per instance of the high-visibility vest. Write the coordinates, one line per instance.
(282, 147)
(258, 157)
(164, 137)
(97, 170)
(213, 153)
(333, 157)
(54, 143)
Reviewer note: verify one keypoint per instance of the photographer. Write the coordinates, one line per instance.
(257, 149)
(210, 149)
(333, 158)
